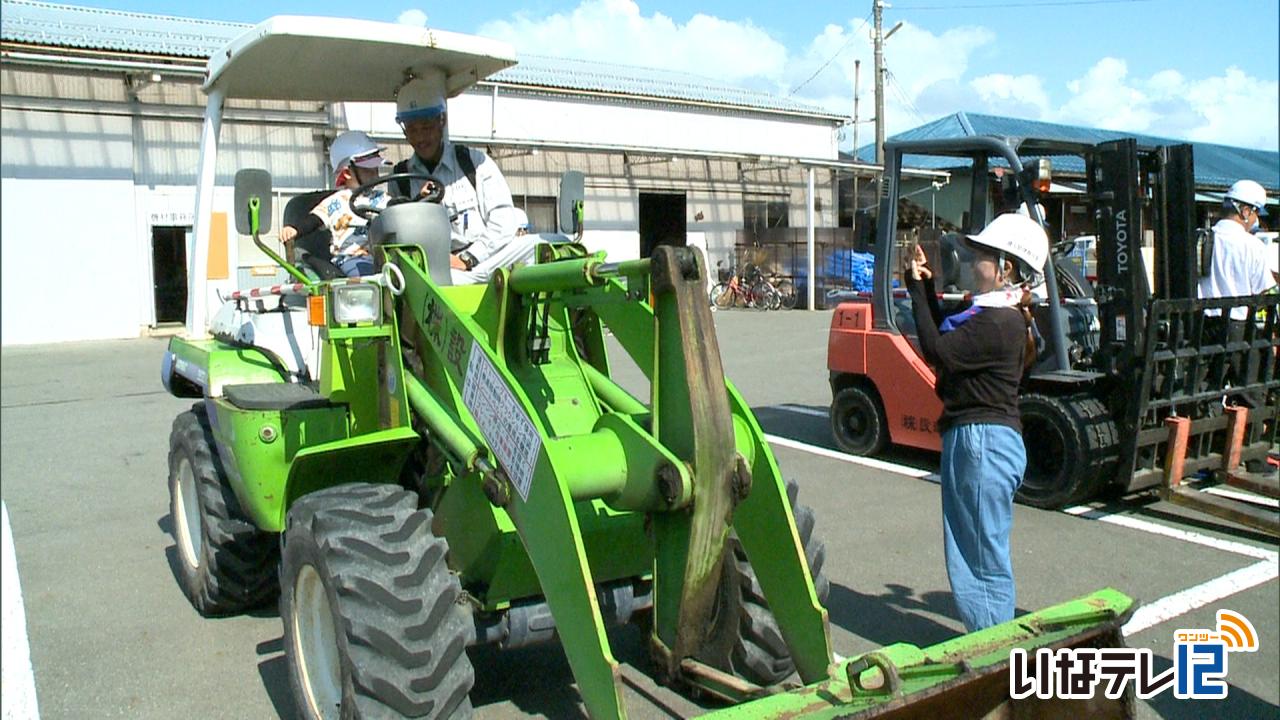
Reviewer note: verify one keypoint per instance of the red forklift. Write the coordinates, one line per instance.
(1127, 391)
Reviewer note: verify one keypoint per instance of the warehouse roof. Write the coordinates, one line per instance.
(86, 28)
(1215, 165)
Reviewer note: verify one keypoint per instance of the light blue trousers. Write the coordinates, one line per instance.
(982, 466)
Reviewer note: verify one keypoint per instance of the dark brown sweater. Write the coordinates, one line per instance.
(979, 364)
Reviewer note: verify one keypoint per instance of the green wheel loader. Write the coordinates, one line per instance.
(418, 467)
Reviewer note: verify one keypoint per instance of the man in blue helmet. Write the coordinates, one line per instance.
(484, 219)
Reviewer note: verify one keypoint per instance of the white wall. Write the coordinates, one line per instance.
(82, 188)
(587, 121)
(70, 267)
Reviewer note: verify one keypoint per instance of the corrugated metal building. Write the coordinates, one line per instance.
(101, 118)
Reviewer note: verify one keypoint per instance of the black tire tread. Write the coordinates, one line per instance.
(755, 649)
(406, 631)
(237, 569)
(1093, 448)
(860, 392)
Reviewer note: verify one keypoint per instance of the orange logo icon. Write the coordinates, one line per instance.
(1236, 632)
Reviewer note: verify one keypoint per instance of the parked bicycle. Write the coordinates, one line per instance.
(750, 288)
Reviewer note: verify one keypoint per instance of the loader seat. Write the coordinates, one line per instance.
(313, 249)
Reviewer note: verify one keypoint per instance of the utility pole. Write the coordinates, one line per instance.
(857, 68)
(878, 12)
(857, 72)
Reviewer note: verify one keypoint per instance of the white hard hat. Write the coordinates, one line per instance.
(1018, 236)
(354, 147)
(1250, 193)
(421, 98)
(522, 219)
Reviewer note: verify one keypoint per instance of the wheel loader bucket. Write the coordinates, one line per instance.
(992, 673)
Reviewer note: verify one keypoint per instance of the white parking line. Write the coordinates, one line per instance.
(16, 676)
(1244, 497)
(852, 459)
(1150, 614)
(1147, 526)
(802, 410)
(1183, 602)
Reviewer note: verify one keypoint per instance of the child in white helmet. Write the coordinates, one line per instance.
(979, 356)
(356, 161)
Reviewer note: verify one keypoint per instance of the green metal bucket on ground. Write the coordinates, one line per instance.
(967, 677)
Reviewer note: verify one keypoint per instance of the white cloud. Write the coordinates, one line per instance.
(1103, 98)
(617, 31)
(923, 66)
(413, 17)
(1236, 109)
(1021, 96)
(1232, 109)
(930, 73)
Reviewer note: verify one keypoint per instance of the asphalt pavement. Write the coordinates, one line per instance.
(84, 433)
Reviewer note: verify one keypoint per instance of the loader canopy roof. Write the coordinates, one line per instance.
(331, 59)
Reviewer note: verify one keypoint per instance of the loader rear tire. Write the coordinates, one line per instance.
(225, 564)
(745, 639)
(374, 625)
(1072, 449)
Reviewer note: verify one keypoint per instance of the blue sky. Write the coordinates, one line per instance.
(1172, 68)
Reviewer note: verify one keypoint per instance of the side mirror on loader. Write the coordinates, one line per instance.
(252, 216)
(572, 194)
(253, 213)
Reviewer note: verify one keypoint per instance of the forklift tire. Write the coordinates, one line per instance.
(745, 639)
(857, 420)
(373, 621)
(225, 564)
(1072, 449)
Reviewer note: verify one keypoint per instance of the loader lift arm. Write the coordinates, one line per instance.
(699, 468)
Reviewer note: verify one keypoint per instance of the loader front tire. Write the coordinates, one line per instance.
(373, 624)
(745, 639)
(1072, 449)
(225, 564)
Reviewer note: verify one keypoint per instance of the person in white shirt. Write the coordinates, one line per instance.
(484, 219)
(1238, 268)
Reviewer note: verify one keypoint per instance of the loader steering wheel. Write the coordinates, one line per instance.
(367, 213)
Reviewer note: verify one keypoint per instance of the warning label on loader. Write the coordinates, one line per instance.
(503, 422)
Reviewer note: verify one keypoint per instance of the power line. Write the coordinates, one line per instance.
(985, 6)
(853, 36)
(902, 95)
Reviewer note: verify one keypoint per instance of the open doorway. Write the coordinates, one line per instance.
(662, 221)
(169, 272)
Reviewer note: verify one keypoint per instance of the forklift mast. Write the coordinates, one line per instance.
(1133, 191)
(1178, 240)
(1122, 292)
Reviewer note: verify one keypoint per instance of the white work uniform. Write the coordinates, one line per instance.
(1239, 267)
(483, 218)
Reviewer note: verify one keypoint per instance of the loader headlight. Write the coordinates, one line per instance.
(357, 303)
